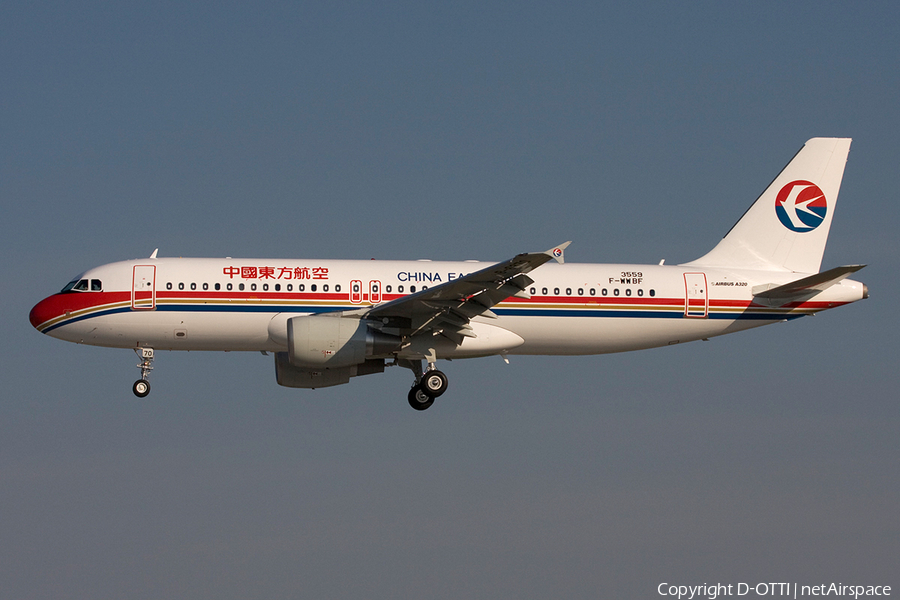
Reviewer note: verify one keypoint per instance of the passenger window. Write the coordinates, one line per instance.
(290, 287)
(252, 287)
(387, 289)
(628, 292)
(640, 292)
(593, 292)
(544, 291)
(205, 286)
(325, 288)
(228, 287)
(652, 292)
(568, 291)
(180, 286)
(241, 287)
(400, 288)
(312, 287)
(616, 292)
(412, 289)
(193, 286)
(337, 287)
(265, 287)
(556, 291)
(604, 292)
(218, 286)
(301, 287)
(169, 286)
(277, 287)
(580, 292)
(533, 291)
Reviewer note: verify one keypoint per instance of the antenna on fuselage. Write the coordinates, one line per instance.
(154, 253)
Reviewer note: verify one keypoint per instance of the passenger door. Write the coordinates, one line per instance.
(696, 302)
(143, 289)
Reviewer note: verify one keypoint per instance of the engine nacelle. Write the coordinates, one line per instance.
(330, 341)
(288, 375)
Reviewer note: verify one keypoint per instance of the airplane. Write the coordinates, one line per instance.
(327, 321)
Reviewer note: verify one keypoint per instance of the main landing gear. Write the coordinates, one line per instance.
(141, 387)
(427, 386)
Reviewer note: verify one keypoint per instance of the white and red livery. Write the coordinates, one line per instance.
(326, 321)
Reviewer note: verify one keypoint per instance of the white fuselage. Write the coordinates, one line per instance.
(244, 304)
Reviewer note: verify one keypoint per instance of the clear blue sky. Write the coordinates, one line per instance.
(641, 131)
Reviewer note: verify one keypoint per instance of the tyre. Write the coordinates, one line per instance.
(141, 388)
(418, 399)
(434, 383)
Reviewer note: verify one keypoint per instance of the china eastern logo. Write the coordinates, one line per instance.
(801, 206)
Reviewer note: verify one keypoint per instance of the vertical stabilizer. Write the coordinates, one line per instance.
(787, 227)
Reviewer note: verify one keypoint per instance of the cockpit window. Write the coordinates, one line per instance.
(83, 285)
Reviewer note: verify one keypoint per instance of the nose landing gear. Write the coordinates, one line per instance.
(141, 387)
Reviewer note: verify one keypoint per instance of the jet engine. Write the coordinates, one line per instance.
(318, 341)
(326, 350)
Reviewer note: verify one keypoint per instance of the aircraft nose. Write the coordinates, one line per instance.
(43, 311)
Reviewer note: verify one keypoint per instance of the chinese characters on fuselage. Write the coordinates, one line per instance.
(276, 272)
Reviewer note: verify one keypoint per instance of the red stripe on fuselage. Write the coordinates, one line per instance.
(59, 305)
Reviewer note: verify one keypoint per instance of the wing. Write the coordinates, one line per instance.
(446, 309)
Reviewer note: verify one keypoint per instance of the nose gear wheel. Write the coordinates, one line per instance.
(141, 388)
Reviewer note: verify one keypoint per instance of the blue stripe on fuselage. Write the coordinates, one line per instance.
(520, 312)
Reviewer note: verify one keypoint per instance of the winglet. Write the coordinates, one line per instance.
(558, 253)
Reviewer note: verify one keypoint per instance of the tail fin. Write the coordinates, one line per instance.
(787, 227)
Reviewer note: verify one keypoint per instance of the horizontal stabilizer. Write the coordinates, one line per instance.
(805, 287)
